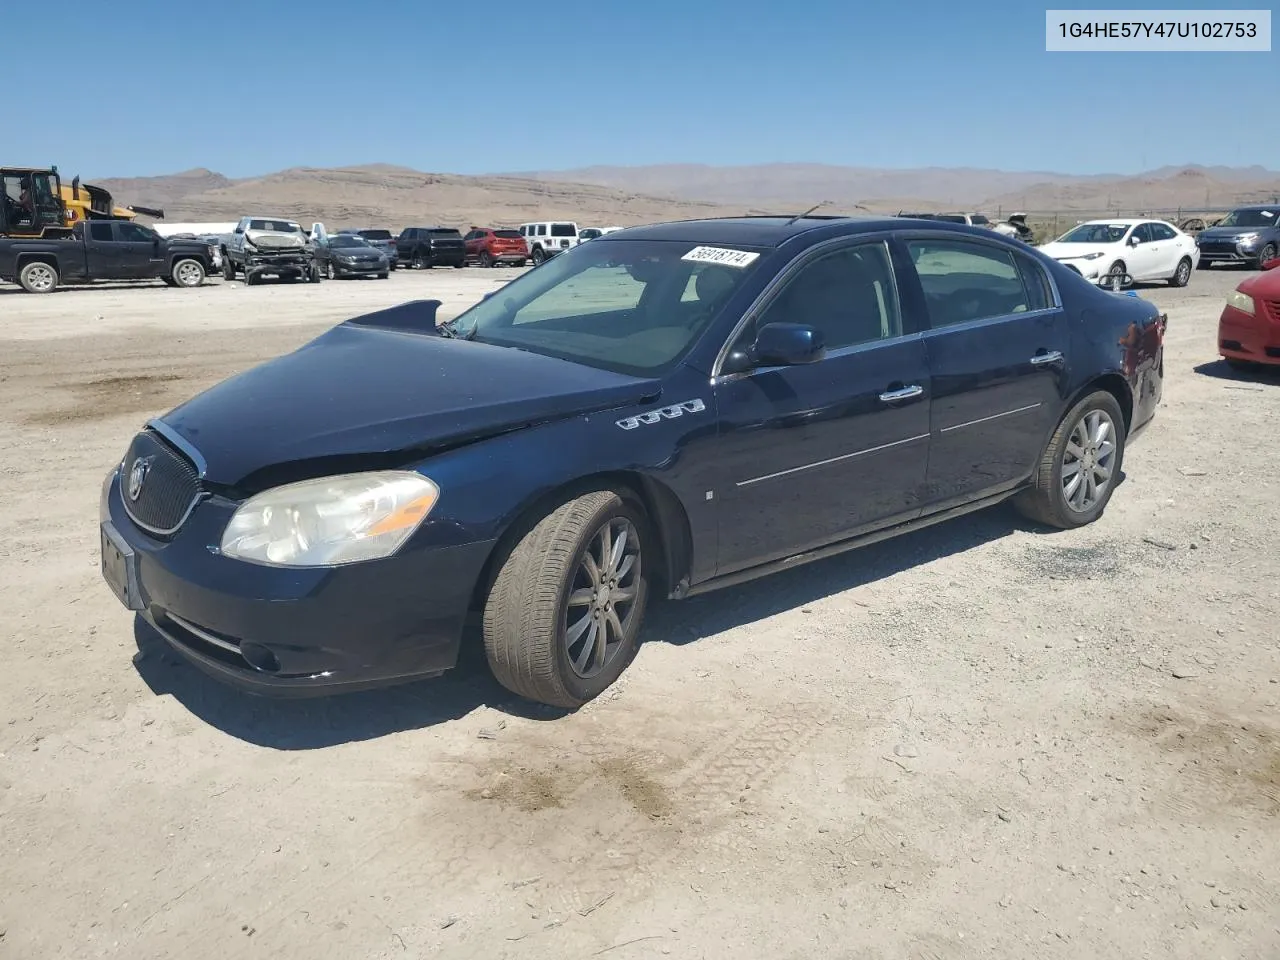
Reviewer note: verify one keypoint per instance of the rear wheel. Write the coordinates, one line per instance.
(562, 618)
(188, 273)
(538, 256)
(1182, 274)
(1080, 466)
(38, 278)
(486, 259)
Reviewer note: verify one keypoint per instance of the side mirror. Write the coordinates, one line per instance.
(779, 345)
(1134, 241)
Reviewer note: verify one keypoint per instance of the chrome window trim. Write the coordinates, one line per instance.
(791, 269)
(830, 460)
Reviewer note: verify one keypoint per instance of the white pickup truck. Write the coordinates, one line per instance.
(261, 246)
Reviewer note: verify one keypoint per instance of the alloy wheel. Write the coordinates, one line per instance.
(601, 607)
(1088, 461)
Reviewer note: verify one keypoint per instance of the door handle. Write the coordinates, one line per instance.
(905, 393)
(1041, 359)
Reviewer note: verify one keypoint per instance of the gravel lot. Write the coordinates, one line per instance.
(982, 740)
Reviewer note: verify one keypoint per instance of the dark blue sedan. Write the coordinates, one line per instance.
(659, 412)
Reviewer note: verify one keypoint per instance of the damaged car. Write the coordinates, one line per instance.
(663, 411)
(269, 246)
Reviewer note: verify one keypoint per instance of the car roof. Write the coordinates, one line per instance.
(766, 231)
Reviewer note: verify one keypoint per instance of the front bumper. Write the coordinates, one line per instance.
(1228, 251)
(290, 632)
(287, 262)
(1089, 269)
(362, 269)
(1253, 338)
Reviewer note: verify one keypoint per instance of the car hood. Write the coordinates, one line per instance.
(386, 383)
(1262, 286)
(1229, 233)
(268, 239)
(1073, 251)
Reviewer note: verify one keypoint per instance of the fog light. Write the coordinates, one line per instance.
(259, 657)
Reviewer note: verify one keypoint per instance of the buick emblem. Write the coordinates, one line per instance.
(137, 475)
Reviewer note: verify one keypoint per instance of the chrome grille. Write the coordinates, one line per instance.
(168, 489)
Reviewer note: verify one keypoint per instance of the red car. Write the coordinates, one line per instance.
(489, 247)
(1249, 328)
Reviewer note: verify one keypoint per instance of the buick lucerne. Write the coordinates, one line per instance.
(659, 412)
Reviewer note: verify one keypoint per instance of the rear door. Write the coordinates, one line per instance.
(817, 453)
(104, 253)
(997, 348)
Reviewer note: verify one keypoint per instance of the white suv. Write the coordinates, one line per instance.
(549, 237)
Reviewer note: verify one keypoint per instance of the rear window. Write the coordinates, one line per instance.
(563, 230)
(376, 234)
(443, 232)
(508, 234)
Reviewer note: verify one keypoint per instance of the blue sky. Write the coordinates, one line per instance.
(252, 86)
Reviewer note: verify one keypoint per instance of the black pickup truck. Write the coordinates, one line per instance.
(103, 250)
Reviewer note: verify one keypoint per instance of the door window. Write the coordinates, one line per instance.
(1143, 232)
(967, 281)
(1162, 231)
(20, 209)
(132, 233)
(100, 232)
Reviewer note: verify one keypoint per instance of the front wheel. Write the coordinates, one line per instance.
(1266, 253)
(228, 270)
(1117, 269)
(1181, 275)
(188, 273)
(486, 260)
(332, 273)
(1080, 466)
(562, 618)
(383, 276)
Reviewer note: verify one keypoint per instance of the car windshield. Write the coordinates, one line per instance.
(1095, 233)
(631, 307)
(376, 234)
(589, 234)
(1249, 218)
(443, 232)
(507, 234)
(347, 240)
(563, 230)
(275, 226)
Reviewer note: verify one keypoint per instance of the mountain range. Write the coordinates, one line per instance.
(395, 196)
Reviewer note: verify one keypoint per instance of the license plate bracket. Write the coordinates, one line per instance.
(120, 568)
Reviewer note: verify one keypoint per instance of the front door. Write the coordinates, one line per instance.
(1146, 259)
(816, 453)
(997, 348)
(104, 252)
(140, 251)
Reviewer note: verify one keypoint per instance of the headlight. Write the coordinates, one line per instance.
(1246, 238)
(330, 520)
(1241, 301)
(1091, 256)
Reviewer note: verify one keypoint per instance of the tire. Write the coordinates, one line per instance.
(38, 277)
(417, 263)
(1046, 501)
(228, 269)
(249, 278)
(486, 259)
(460, 264)
(1266, 253)
(1117, 267)
(1182, 275)
(538, 256)
(188, 273)
(528, 611)
(314, 274)
(383, 276)
(330, 272)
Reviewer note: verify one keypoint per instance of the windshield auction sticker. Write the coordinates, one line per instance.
(720, 255)
(1156, 31)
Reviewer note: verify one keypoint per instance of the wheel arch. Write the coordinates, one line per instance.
(667, 517)
(1114, 384)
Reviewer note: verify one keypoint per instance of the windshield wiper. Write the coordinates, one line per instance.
(447, 330)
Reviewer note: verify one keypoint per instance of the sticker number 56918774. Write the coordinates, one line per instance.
(721, 255)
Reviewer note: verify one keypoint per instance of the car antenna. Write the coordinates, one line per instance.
(800, 216)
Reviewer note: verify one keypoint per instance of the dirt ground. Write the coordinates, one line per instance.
(978, 741)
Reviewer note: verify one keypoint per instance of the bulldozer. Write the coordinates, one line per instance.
(35, 203)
